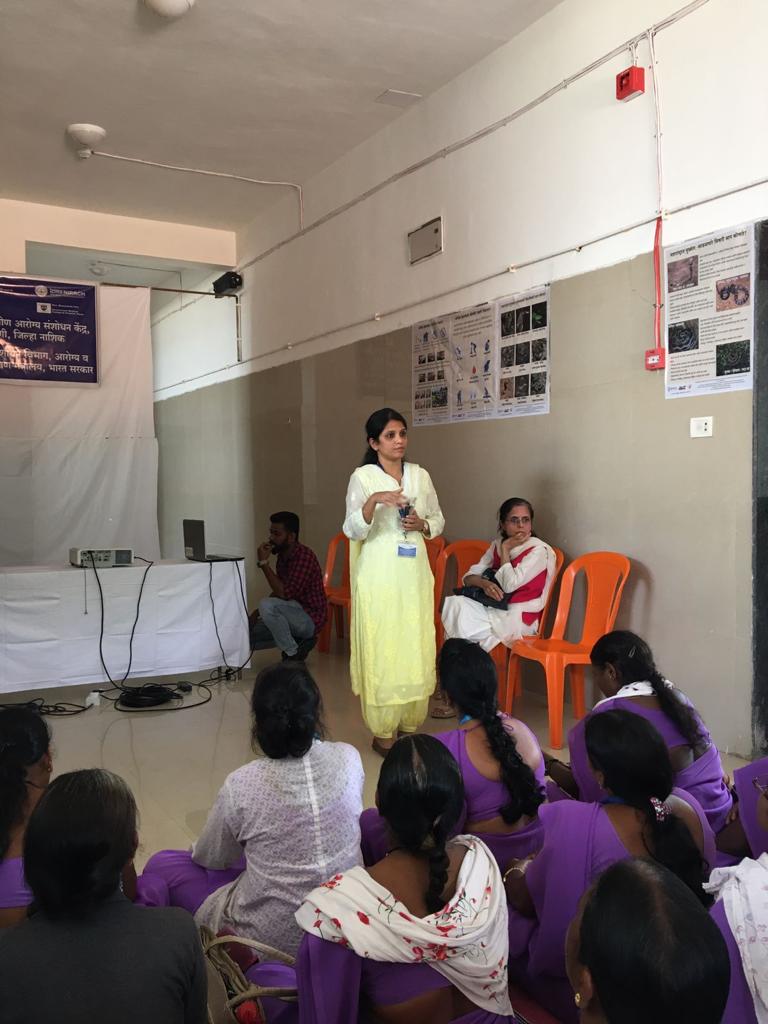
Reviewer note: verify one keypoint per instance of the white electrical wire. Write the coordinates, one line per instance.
(657, 113)
(210, 174)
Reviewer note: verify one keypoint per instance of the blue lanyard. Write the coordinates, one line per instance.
(465, 718)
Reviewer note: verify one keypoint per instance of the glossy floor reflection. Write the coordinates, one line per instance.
(176, 761)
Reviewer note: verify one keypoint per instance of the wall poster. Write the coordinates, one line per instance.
(48, 331)
(484, 362)
(709, 313)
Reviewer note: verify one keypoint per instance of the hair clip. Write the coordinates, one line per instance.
(632, 651)
(660, 808)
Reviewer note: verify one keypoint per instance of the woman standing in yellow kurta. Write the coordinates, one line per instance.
(391, 508)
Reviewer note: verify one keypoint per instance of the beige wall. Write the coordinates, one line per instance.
(611, 467)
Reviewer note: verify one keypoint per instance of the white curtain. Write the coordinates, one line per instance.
(78, 465)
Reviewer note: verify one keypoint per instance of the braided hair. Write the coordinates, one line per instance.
(421, 797)
(636, 767)
(632, 659)
(24, 739)
(468, 677)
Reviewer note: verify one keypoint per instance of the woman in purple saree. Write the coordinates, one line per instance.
(500, 760)
(422, 935)
(640, 814)
(642, 948)
(630, 681)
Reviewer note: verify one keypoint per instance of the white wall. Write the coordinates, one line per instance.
(575, 167)
(33, 222)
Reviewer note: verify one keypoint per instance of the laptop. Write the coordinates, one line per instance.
(194, 544)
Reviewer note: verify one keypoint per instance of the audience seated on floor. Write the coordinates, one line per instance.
(629, 680)
(25, 770)
(517, 570)
(500, 759)
(642, 949)
(741, 914)
(86, 953)
(422, 935)
(280, 825)
(640, 814)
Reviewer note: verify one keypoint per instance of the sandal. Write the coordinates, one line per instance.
(379, 747)
(441, 708)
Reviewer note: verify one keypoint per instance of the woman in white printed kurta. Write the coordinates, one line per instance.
(525, 568)
(392, 660)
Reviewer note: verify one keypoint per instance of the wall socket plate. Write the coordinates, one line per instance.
(702, 426)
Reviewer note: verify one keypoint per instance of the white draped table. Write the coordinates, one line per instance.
(50, 620)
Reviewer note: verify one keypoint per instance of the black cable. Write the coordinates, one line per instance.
(119, 685)
(119, 702)
(230, 670)
(62, 709)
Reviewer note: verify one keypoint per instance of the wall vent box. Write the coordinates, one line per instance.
(425, 241)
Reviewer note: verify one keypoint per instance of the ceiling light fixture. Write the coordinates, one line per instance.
(87, 136)
(169, 8)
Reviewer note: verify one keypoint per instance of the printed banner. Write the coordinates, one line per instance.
(431, 352)
(47, 331)
(709, 313)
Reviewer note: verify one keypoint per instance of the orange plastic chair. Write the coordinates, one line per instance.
(435, 547)
(500, 652)
(466, 553)
(339, 597)
(606, 574)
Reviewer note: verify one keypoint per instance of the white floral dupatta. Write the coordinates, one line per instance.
(466, 941)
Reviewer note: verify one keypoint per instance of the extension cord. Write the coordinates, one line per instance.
(149, 696)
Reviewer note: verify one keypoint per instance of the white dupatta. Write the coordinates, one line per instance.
(466, 941)
(744, 892)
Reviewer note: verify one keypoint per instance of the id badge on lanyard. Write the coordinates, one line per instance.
(406, 549)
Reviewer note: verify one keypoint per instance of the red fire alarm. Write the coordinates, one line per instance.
(630, 83)
(655, 358)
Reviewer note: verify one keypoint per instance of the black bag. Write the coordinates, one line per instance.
(479, 595)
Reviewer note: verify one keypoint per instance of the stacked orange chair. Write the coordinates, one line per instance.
(606, 574)
(466, 553)
(500, 652)
(339, 597)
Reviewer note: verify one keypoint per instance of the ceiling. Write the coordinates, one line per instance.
(263, 88)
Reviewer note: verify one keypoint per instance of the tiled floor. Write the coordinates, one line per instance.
(175, 762)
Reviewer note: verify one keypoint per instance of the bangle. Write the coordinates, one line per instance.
(425, 529)
(262, 564)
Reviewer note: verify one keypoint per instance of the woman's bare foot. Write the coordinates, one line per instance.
(441, 707)
(382, 746)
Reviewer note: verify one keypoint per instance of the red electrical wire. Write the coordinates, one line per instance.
(657, 276)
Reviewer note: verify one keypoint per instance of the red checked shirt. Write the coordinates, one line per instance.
(302, 580)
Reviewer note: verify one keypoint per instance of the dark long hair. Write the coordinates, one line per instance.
(287, 710)
(653, 952)
(79, 838)
(468, 676)
(632, 659)
(24, 739)
(421, 797)
(506, 508)
(374, 426)
(635, 763)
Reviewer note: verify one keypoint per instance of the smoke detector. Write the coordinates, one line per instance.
(87, 137)
(169, 8)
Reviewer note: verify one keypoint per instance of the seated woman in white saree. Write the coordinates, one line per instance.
(422, 935)
(524, 568)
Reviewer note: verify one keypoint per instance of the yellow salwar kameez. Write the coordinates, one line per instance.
(392, 637)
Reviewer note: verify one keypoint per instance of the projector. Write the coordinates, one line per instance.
(228, 284)
(100, 558)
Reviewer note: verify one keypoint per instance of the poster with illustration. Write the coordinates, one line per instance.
(431, 370)
(709, 313)
(523, 377)
(473, 358)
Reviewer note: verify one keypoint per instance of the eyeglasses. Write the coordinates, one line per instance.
(518, 520)
(760, 782)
